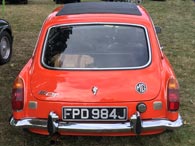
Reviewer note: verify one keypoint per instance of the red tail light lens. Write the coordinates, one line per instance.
(173, 95)
(18, 95)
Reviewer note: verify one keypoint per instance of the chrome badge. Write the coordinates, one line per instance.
(48, 94)
(141, 88)
(94, 90)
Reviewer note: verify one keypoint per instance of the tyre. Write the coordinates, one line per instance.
(5, 47)
(58, 1)
(70, 1)
(25, 2)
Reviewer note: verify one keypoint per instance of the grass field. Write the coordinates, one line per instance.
(177, 20)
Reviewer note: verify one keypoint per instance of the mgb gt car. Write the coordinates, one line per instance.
(97, 69)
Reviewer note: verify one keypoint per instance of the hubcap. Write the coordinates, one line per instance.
(4, 47)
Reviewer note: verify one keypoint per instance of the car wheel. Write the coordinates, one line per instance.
(25, 2)
(71, 1)
(74, 1)
(5, 47)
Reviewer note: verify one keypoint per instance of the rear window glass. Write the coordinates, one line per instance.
(99, 46)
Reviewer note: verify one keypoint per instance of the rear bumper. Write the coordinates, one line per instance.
(53, 125)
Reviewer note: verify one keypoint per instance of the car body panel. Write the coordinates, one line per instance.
(4, 25)
(74, 76)
(76, 91)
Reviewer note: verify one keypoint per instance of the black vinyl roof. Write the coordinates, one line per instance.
(99, 7)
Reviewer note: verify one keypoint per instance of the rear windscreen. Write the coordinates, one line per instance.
(97, 46)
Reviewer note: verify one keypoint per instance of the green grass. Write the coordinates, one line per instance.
(177, 20)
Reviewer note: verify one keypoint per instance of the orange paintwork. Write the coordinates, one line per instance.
(38, 131)
(117, 88)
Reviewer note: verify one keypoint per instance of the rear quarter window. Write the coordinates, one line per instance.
(96, 46)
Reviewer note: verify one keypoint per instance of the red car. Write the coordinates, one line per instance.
(97, 70)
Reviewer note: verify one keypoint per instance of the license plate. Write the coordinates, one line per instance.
(94, 114)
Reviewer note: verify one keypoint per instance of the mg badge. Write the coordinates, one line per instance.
(95, 90)
(141, 88)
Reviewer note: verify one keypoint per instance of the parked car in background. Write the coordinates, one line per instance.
(66, 1)
(135, 1)
(97, 69)
(6, 41)
(15, 1)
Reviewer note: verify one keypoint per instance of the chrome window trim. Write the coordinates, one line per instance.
(88, 69)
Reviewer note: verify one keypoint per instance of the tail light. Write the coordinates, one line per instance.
(18, 94)
(173, 95)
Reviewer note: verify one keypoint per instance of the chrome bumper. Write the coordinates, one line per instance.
(53, 125)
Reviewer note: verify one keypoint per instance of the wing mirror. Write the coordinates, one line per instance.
(158, 29)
